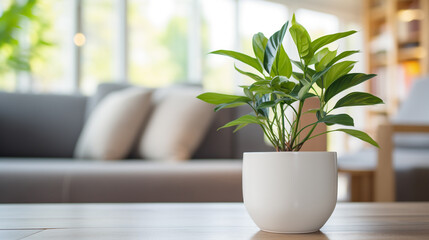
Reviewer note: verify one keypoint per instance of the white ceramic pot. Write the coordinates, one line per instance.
(290, 192)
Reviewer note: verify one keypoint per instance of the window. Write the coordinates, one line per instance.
(151, 43)
(51, 69)
(100, 30)
(218, 32)
(40, 46)
(257, 16)
(318, 23)
(7, 76)
(158, 41)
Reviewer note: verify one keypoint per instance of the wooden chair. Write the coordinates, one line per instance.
(378, 184)
(384, 175)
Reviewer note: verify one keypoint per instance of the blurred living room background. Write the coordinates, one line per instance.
(70, 47)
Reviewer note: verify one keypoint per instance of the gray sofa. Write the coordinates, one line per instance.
(38, 134)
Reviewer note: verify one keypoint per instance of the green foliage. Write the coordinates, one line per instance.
(358, 99)
(359, 134)
(259, 43)
(276, 88)
(242, 58)
(272, 49)
(21, 21)
(242, 122)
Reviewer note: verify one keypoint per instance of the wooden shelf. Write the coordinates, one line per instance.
(396, 49)
(378, 13)
(377, 63)
(397, 45)
(411, 53)
(411, 38)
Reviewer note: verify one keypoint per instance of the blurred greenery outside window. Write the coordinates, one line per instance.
(167, 41)
(23, 40)
(100, 30)
(158, 43)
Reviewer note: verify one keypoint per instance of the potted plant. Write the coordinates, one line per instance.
(288, 191)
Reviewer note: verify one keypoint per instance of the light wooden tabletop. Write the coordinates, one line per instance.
(201, 221)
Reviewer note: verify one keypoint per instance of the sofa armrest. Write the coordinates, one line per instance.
(384, 172)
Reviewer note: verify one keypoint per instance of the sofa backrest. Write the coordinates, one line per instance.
(414, 110)
(222, 144)
(48, 125)
(40, 125)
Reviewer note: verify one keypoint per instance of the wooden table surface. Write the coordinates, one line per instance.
(201, 221)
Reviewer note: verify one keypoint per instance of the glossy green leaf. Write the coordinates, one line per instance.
(358, 99)
(240, 127)
(281, 83)
(359, 134)
(259, 42)
(301, 38)
(251, 75)
(246, 119)
(260, 83)
(336, 71)
(266, 104)
(273, 44)
(287, 86)
(324, 62)
(261, 89)
(247, 92)
(341, 56)
(345, 82)
(342, 119)
(318, 56)
(253, 62)
(304, 91)
(228, 105)
(298, 64)
(327, 39)
(219, 98)
(297, 75)
(317, 76)
(282, 65)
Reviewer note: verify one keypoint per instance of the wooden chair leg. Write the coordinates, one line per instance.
(361, 184)
(384, 184)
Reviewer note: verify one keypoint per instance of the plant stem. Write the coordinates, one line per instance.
(270, 125)
(309, 125)
(279, 129)
(270, 137)
(283, 127)
(298, 118)
(307, 137)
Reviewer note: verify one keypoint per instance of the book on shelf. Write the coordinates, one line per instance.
(408, 71)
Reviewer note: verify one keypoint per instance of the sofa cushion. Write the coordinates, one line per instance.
(40, 125)
(114, 125)
(24, 181)
(103, 90)
(176, 126)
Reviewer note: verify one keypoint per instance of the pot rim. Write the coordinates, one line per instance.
(285, 152)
